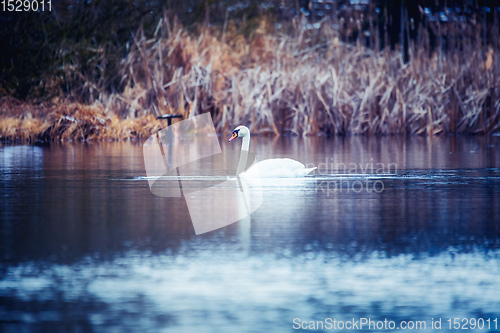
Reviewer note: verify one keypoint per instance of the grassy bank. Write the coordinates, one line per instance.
(67, 122)
(307, 82)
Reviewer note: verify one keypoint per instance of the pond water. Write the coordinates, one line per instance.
(390, 228)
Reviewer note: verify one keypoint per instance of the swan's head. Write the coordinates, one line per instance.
(240, 131)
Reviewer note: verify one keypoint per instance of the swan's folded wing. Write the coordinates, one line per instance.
(277, 168)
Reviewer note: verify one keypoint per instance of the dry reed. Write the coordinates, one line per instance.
(311, 83)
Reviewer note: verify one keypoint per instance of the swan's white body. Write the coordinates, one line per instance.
(271, 168)
(277, 168)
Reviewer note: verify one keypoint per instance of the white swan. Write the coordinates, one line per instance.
(271, 168)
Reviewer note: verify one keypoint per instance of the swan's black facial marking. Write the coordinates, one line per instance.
(234, 135)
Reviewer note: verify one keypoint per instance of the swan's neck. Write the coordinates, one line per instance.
(246, 143)
(245, 146)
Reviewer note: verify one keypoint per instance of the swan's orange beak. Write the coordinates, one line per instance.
(233, 136)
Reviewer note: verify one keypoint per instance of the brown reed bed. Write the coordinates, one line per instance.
(311, 83)
(306, 83)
